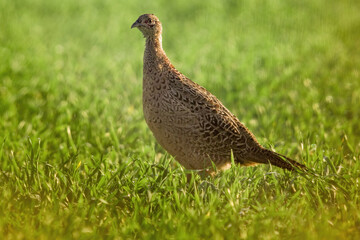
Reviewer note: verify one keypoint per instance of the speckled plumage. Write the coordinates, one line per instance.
(187, 120)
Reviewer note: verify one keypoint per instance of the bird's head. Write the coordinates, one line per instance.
(148, 24)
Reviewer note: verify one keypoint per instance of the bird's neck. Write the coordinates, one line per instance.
(154, 56)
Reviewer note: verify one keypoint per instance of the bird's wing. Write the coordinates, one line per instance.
(214, 115)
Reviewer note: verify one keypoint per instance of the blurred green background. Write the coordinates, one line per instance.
(78, 161)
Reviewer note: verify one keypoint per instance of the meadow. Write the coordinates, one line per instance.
(77, 160)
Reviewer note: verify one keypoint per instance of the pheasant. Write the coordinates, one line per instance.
(188, 121)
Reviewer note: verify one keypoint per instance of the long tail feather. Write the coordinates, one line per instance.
(279, 160)
(284, 162)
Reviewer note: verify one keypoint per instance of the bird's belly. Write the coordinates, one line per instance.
(179, 133)
(174, 131)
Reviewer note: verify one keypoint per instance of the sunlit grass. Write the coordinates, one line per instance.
(78, 161)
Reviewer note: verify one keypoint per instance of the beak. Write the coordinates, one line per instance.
(135, 24)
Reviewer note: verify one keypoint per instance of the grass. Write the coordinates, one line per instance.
(77, 160)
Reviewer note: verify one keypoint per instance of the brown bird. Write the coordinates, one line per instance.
(188, 121)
